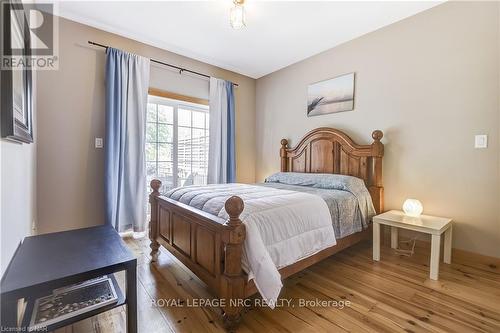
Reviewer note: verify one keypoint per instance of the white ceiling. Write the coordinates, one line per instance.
(278, 33)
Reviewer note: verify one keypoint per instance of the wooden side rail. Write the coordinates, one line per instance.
(208, 245)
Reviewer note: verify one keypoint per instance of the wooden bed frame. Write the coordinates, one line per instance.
(212, 247)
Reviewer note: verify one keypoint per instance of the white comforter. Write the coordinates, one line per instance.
(282, 227)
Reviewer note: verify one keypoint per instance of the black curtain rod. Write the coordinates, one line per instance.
(181, 69)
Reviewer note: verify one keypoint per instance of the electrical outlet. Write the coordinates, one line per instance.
(98, 142)
(481, 141)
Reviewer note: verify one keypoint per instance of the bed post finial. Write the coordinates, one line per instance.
(234, 206)
(233, 281)
(377, 146)
(284, 146)
(153, 223)
(155, 185)
(377, 135)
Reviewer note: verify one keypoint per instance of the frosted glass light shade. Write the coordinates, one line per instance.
(237, 16)
(413, 207)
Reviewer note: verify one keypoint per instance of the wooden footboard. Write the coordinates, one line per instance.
(209, 246)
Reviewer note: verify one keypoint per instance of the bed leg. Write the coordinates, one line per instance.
(153, 223)
(233, 281)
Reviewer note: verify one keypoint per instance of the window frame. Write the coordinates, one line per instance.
(176, 104)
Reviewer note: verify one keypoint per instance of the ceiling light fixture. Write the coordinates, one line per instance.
(237, 15)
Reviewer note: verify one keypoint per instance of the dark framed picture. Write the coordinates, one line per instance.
(16, 76)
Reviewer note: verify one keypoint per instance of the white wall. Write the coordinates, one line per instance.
(17, 193)
(430, 82)
(170, 80)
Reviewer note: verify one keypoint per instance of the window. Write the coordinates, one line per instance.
(176, 142)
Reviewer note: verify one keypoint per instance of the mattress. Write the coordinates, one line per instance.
(345, 210)
(282, 227)
(288, 218)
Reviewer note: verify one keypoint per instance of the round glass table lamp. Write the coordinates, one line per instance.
(413, 207)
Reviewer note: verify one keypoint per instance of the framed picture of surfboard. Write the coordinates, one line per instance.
(331, 96)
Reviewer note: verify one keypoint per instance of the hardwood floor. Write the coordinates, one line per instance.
(393, 295)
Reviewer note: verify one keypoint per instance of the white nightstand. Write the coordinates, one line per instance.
(432, 225)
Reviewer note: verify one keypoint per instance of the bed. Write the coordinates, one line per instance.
(203, 227)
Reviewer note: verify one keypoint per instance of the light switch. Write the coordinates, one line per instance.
(98, 142)
(481, 141)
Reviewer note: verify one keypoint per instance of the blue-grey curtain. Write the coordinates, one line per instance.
(221, 152)
(127, 82)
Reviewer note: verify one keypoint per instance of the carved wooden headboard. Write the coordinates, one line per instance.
(328, 150)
